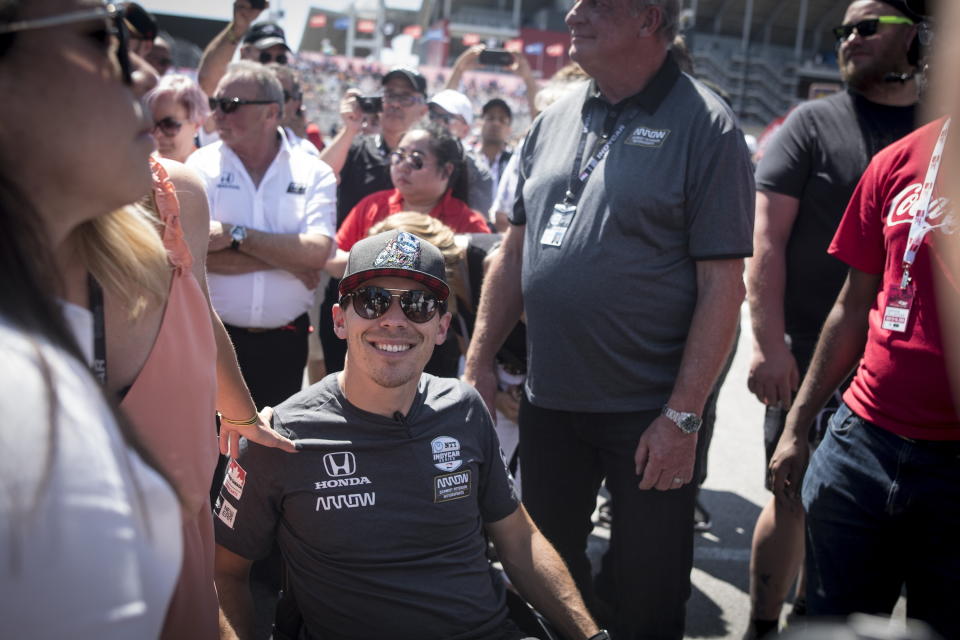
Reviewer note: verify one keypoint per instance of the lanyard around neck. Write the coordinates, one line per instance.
(919, 227)
(578, 179)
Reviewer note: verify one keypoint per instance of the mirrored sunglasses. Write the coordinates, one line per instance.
(414, 158)
(372, 302)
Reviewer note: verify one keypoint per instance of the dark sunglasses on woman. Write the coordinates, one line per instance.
(168, 126)
(414, 158)
(372, 302)
(112, 12)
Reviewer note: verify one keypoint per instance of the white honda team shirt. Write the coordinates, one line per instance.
(298, 194)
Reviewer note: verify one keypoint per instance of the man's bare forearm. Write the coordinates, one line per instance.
(540, 575)
(236, 608)
(720, 294)
(288, 251)
(335, 153)
(838, 350)
(216, 57)
(501, 301)
(230, 262)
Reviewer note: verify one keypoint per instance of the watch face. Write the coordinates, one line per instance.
(238, 233)
(690, 423)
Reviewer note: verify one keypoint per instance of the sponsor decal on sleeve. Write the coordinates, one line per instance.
(234, 480)
(452, 486)
(226, 512)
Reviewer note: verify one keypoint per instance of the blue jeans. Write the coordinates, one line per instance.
(883, 512)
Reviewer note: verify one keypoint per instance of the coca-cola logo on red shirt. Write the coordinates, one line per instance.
(904, 207)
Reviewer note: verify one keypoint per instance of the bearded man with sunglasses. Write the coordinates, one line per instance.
(381, 517)
(804, 181)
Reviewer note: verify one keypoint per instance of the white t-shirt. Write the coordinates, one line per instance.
(90, 539)
(298, 194)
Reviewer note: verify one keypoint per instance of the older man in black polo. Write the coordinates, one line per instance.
(633, 216)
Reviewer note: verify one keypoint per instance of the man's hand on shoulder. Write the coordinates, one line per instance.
(665, 453)
(774, 376)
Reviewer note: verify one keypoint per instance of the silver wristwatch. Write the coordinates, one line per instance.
(688, 422)
(237, 235)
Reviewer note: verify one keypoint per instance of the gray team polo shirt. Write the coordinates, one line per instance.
(609, 310)
(379, 520)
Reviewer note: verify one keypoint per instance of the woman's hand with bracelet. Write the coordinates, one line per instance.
(255, 429)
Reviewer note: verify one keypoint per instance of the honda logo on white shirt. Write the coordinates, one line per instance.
(341, 463)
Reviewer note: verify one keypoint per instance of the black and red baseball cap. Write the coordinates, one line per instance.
(399, 254)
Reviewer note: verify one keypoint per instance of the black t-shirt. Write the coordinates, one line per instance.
(379, 520)
(817, 157)
(365, 171)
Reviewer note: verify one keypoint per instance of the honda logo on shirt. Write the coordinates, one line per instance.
(341, 463)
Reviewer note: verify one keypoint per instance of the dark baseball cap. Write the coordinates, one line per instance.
(902, 7)
(497, 102)
(139, 22)
(264, 35)
(417, 81)
(399, 254)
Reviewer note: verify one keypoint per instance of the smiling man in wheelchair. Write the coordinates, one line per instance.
(382, 516)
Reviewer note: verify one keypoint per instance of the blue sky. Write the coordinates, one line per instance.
(295, 11)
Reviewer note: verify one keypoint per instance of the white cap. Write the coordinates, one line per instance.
(454, 102)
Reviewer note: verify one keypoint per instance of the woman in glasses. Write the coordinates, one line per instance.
(90, 543)
(427, 170)
(179, 109)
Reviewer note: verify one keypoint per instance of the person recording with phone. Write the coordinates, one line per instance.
(512, 62)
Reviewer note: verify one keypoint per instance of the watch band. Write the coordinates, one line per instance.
(601, 635)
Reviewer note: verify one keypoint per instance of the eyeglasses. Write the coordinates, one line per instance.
(414, 158)
(287, 97)
(372, 302)
(168, 126)
(109, 11)
(441, 116)
(403, 99)
(229, 105)
(266, 58)
(868, 27)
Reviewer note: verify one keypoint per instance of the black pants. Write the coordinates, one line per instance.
(644, 583)
(272, 362)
